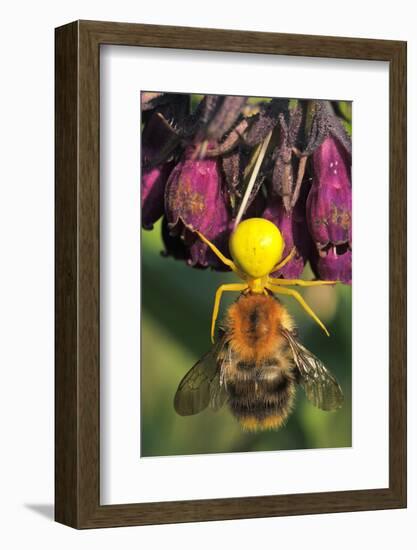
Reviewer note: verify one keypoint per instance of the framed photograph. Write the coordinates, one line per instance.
(230, 274)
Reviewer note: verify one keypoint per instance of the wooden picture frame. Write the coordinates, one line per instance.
(77, 381)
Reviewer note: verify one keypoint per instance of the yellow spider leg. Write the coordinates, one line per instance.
(284, 261)
(300, 300)
(234, 287)
(299, 282)
(221, 257)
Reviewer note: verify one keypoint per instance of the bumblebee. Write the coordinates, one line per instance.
(257, 361)
(255, 367)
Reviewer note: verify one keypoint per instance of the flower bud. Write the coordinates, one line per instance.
(154, 178)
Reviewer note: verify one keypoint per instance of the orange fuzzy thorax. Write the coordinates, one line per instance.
(254, 323)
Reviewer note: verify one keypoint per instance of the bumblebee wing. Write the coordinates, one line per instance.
(201, 386)
(320, 386)
(218, 393)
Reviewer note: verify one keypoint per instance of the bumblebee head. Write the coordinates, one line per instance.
(256, 246)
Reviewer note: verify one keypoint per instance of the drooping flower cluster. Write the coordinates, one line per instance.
(197, 161)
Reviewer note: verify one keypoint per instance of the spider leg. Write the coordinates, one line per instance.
(298, 282)
(221, 256)
(300, 300)
(289, 257)
(234, 287)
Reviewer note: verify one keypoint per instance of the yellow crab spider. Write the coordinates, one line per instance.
(256, 247)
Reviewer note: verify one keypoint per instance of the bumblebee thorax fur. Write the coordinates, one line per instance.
(254, 323)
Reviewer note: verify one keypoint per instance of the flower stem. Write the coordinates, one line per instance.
(252, 180)
(300, 176)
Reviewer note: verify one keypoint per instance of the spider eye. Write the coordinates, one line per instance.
(256, 246)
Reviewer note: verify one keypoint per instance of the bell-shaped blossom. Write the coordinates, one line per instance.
(334, 264)
(329, 203)
(329, 209)
(295, 233)
(195, 201)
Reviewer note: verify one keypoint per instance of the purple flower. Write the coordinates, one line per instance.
(197, 158)
(154, 177)
(329, 210)
(153, 188)
(335, 264)
(194, 200)
(295, 233)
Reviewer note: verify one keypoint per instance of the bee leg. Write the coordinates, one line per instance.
(221, 256)
(288, 258)
(299, 282)
(234, 287)
(290, 292)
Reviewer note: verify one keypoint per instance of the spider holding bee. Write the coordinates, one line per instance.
(257, 360)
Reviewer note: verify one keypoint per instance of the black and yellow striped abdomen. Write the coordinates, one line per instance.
(263, 396)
